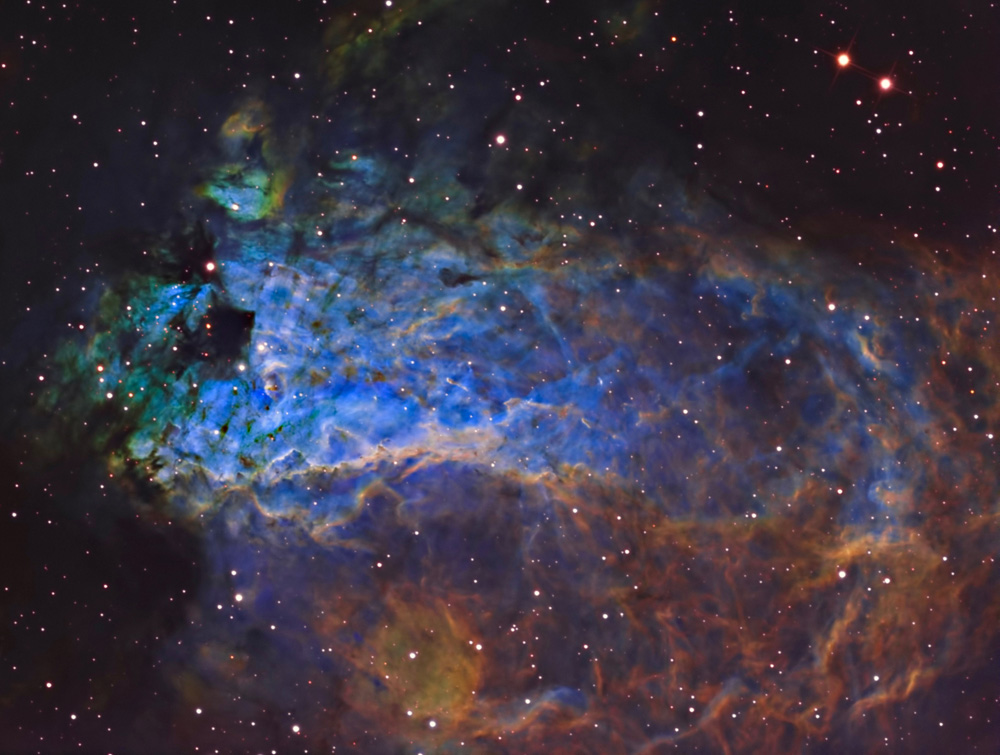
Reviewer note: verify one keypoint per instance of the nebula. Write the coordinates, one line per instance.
(504, 448)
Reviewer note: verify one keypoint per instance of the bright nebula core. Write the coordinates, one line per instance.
(488, 448)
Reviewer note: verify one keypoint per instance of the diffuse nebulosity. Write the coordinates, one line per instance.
(474, 470)
(515, 480)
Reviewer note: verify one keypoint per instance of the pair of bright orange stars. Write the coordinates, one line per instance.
(844, 60)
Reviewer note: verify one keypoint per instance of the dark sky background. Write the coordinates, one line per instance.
(784, 138)
(709, 131)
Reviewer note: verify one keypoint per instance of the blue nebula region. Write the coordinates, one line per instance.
(514, 480)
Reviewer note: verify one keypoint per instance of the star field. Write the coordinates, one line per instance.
(504, 377)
